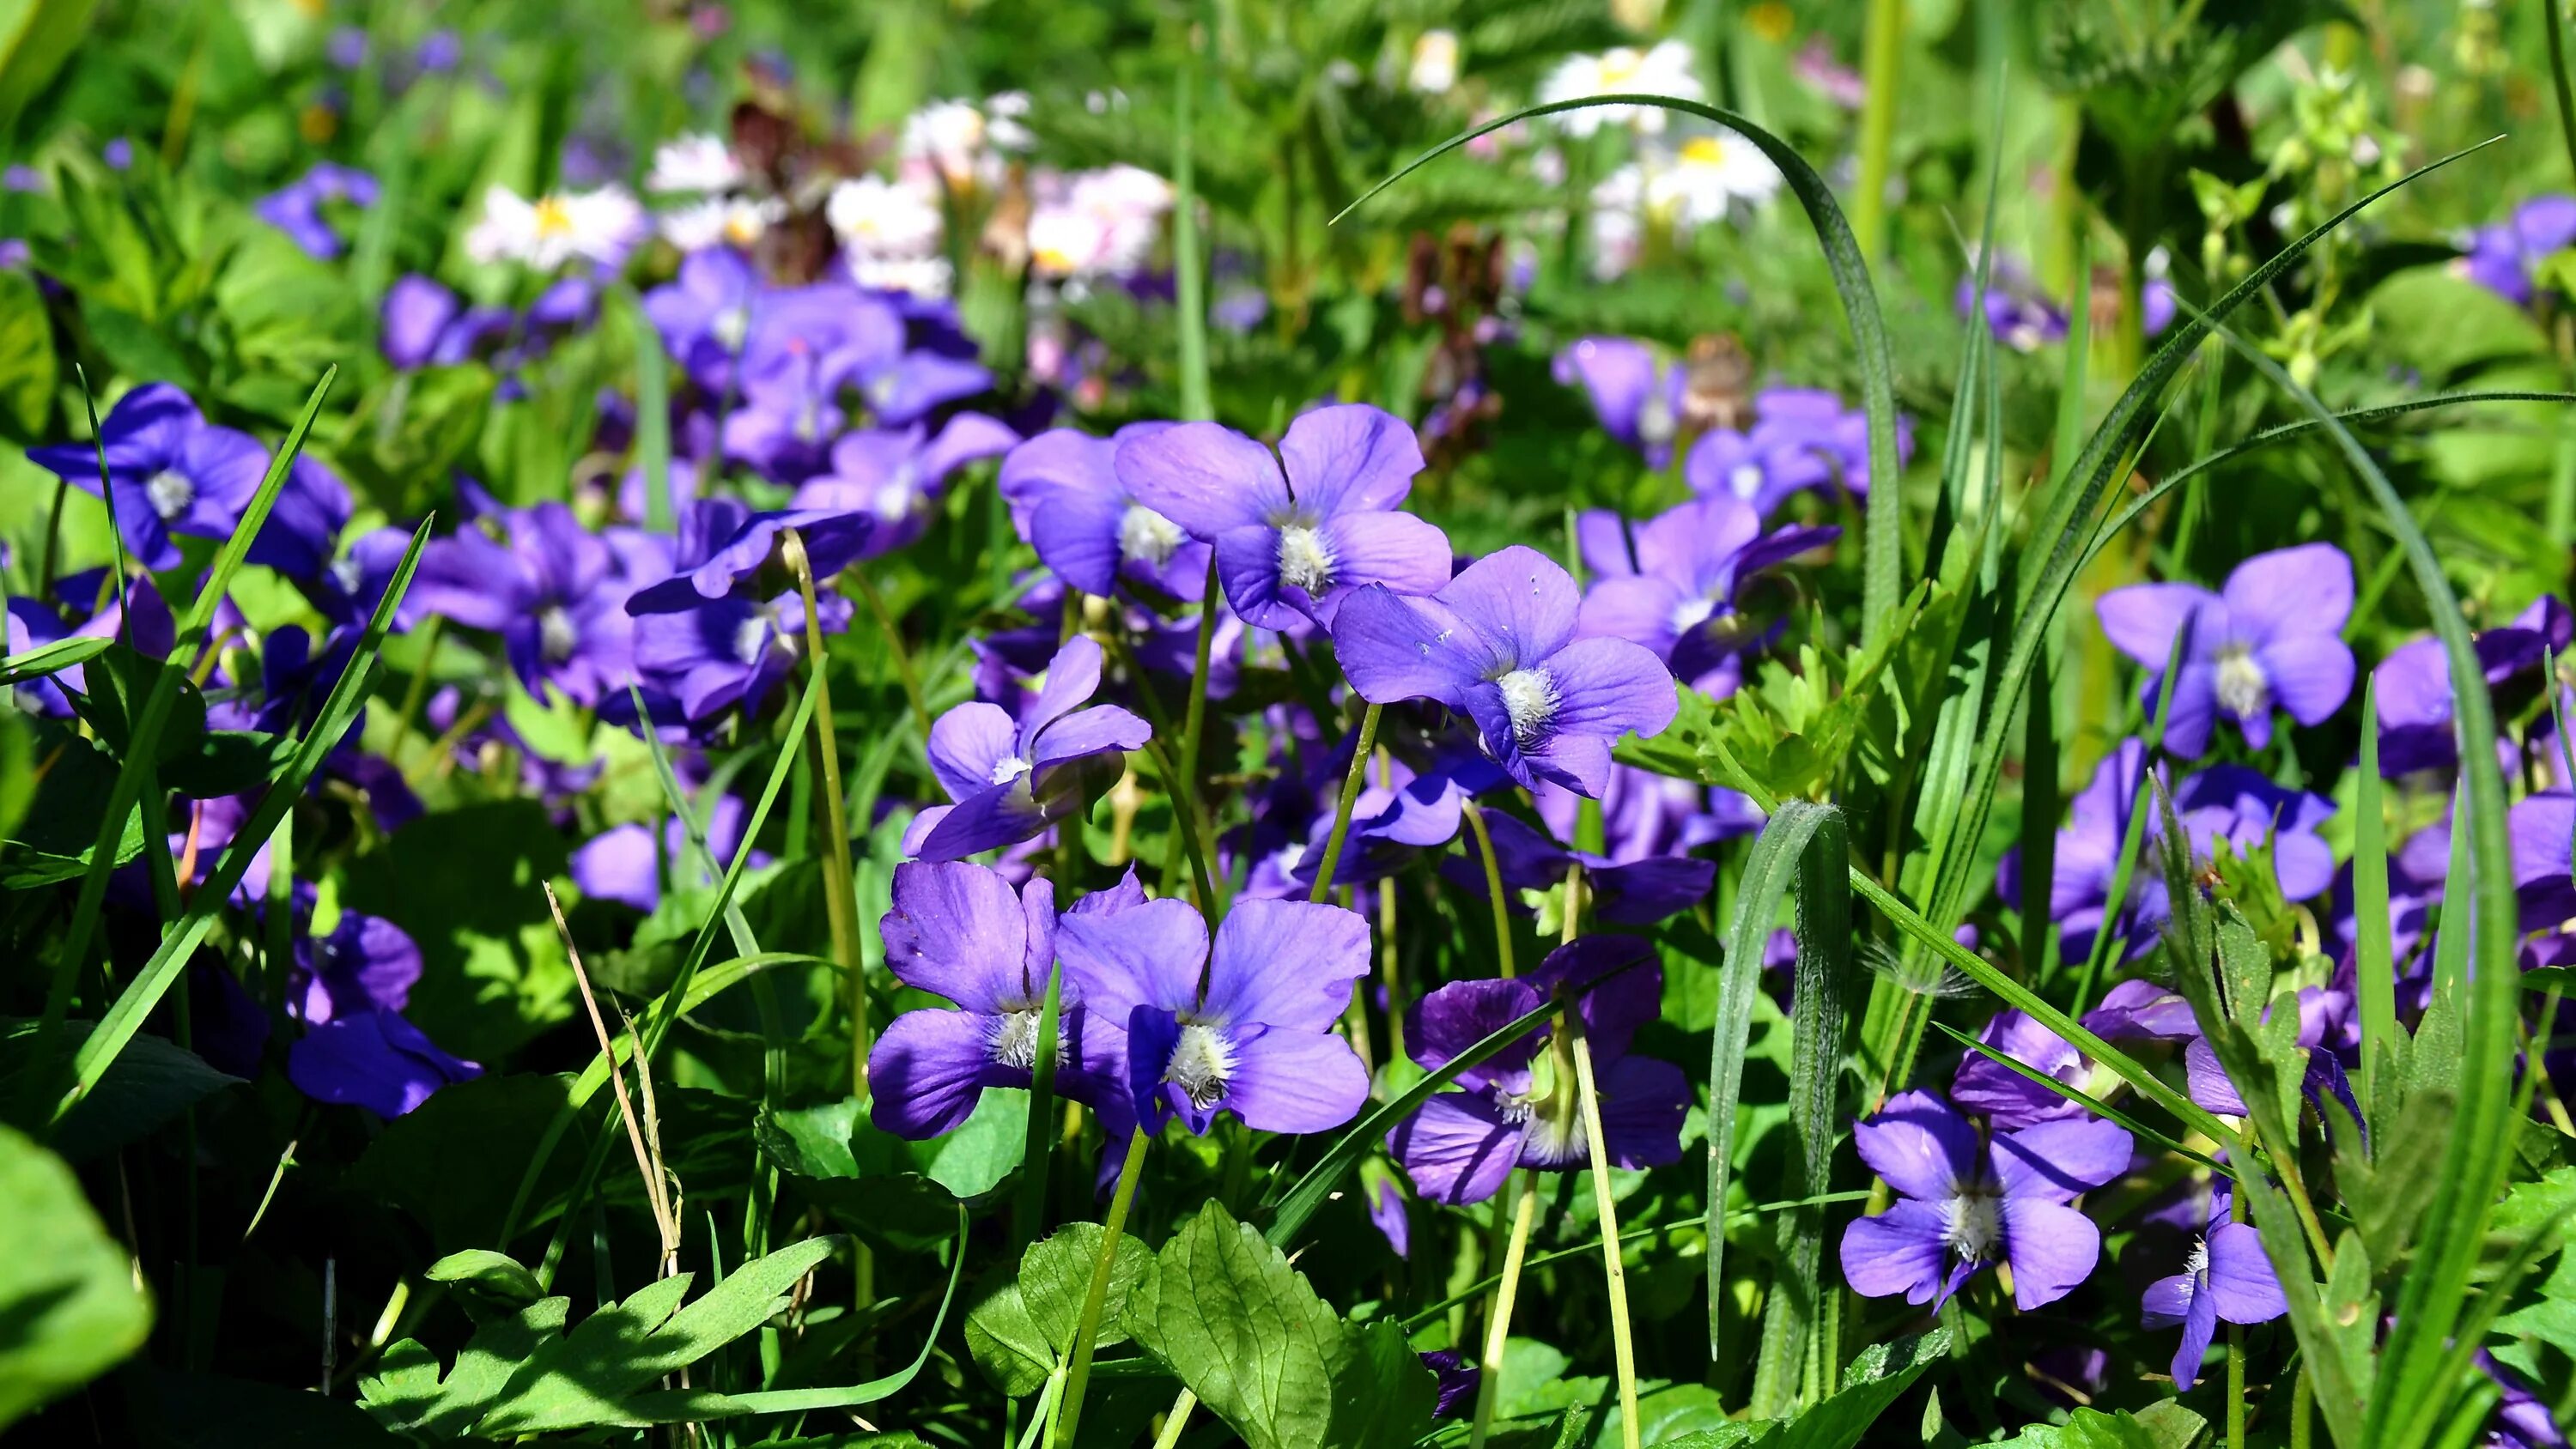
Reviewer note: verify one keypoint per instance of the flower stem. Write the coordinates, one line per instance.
(1614, 1274)
(1879, 46)
(894, 645)
(1176, 1420)
(1078, 1378)
(1332, 862)
(840, 892)
(1498, 1324)
(1188, 820)
(1493, 888)
(1194, 715)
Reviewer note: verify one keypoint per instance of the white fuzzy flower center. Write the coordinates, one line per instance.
(169, 493)
(1010, 769)
(1149, 538)
(1745, 481)
(1013, 1039)
(1202, 1064)
(1304, 561)
(557, 635)
(2243, 690)
(2196, 1262)
(1655, 425)
(1976, 1224)
(751, 639)
(730, 326)
(900, 493)
(1529, 697)
(1691, 613)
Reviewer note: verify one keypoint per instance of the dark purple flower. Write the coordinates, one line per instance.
(727, 551)
(169, 472)
(303, 528)
(1519, 1107)
(372, 1059)
(2018, 315)
(1069, 503)
(2505, 258)
(1011, 778)
(1644, 814)
(143, 622)
(553, 592)
(365, 964)
(624, 863)
(1690, 563)
(727, 652)
(1497, 644)
(1964, 1205)
(1389, 826)
(2271, 637)
(1458, 1381)
(1257, 1042)
(2005, 1097)
(895, 475)
(2225, 1277)
(2412, 686)
(704, 314)
(1637, 398)
(297, 209)
(1296, 534)
(2522, 1420)
(957, 931)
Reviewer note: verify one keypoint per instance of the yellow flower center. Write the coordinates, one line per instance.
(1703, 151)
(553, 217)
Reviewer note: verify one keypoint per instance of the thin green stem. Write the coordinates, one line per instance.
(1176, 1420)
(1332, 862)
(903, 669)
(840, 892)
(2553, 26)
(2303, 1394)
(1498, 1323)
(2236, 1357)
(1879, 47)
(1493, 887)
(1613, 1273)
(1030, 1216)
(1194, 715)
(1189, 266)
(1078, 1377)
(1188, 820)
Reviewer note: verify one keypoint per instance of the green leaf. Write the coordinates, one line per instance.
(1055, 1280)
(27, 366)
(497, 1275)
(2159, 1426)
(175, 1410)
(153, 1081)
(36, 37)
(1876, 1379)
(60, 828)
(576, 1381)
(1249, 1336)
(1005, 1341)
(492, 1118)
(69, 1305)
(406, 1392)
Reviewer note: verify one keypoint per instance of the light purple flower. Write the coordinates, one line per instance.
(1497, 644)
(2412, 686)
(1011, 778)
(297, 209)
(2225, 1277)
(1965, 1205)
(2505, 258)
(727, 652)
(624, 863)
(1257, 1042)
(956, 930)
(1068, 501)
(555, 593)
(705, 313)
(1519, 1108)
(1681, 601)
(1295, 534)
(1637, 398)
(1761, 467)
(169, 472)
(2271, 637)
(726, 550)
(895, 475)
(2005, 1097)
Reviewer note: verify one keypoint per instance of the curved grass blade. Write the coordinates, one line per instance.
(1767, 872)
(2374, 951)
(98, 1051)
(2085, 1100)
(2417, 1382)
(142, 742)
(1883, 548)
(1320, 1181)
(51, 658)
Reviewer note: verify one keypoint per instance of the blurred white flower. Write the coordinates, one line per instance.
(1435, 62)
(1096, 223)
(880, 220)
(950, 135)
(1699, 180)
(1664, 70)
(721, 221)
(694, 164)
(921, 276)
(601, 225)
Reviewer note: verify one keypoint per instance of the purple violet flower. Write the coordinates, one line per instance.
(366, 964)
(1257, 1042)
(2272, 636)
(705, 313)
(1966, 1205)
(727, 551)
(553, 591)
(1295, 534)
(1011, 778)
(1637, 398)
(2505, 258)
(2225, 1277)
(1639, 892)
(727, 652)
(372, 1059)
(1681, 601)
(1518, 1108)
(1068, 501)
(894, 475)
(169, 472)
(2006, 1098)
(625, 864)
(296, 209)
(2412, 686)
(957, 930)
(1497, 644)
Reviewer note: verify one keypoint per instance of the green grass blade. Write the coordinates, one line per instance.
(2085, 1100)
(1189, 259)
(2039, 809)
(1768, 871)
(653, 424)
(98, 1051)
(2414, 1379)
(1976, 968)
(1796, 1319)
(51, 658)
(127, 793)
(2374, 954)
(1883, 561)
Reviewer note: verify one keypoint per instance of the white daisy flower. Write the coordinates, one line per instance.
(694, 164)
(880, 220)
(1435, 62)
(1664, 70)
(1698, 181)
(721, 221)
(600, 225)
